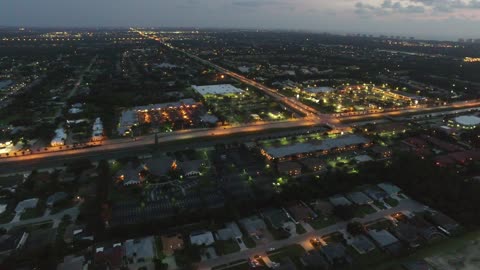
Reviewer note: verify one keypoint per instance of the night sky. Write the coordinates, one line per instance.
(442, 19)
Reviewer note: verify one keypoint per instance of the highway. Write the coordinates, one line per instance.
(127, 145)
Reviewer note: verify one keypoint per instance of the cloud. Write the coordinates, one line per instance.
(388, 7)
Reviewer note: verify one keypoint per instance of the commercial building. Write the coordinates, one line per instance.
(60, 137)
(97, 130)
(217, 90)
(315, 148)
(465, 122)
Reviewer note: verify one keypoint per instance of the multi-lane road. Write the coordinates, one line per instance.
(311, 118)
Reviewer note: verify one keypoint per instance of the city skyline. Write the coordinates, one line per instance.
(445, 19)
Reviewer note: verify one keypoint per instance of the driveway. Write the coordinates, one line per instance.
(404, 205)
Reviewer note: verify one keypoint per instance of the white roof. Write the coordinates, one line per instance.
(60, 136)
(319, 89)
(468, 120)
(26, 204)
(202, 238)
(218, 89)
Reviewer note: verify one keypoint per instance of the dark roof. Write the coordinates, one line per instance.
(315, 260)
(335, 253)
(406, 232)
(417, 265)
(159, 166)
(444, 221)
(56, 197)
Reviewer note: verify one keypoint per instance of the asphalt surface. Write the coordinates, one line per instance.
(404, 205)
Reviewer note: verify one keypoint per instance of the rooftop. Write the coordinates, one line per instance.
(218, 89)
(468, 120)
(315, 146)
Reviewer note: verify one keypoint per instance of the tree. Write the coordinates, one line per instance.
(355, 228)
(344, 212)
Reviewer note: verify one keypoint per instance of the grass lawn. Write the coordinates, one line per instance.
(294, 250)
(364, 210)
(159, 247)
(249, 243)
(369, 260)
(6, 217)
(300, 229)
(380, 205)
(322, 222)
(226, 247)
(391, 201)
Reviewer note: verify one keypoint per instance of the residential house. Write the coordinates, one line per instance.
(444, 222)
(314, 260)
(362, 244)
(231, 231)
(202, 238)
(159, 166)
(56, 198)
(336, 254)
(26, 204)
(192, 167)
(72, 263)
(390, 189)
(172, 243)
(131, 174)
(339, 200)
(254, 226)
(301, 212)
(140, 252)
(359, 198)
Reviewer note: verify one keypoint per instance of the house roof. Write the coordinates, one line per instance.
(56, 197)
(140, 248)
(202, 238)
(444, 221)
(376, 194)
(362, 244)
(334, 251)
(389, 188)
(159, 166)
(300, 212)
(314, 259)
(253, 224)
(338, 200)
(277, 217)
(171, 243)
(191, 166)
(359, 198)
(382, 237)
(230, 231)
(72, 263)
(26, 204)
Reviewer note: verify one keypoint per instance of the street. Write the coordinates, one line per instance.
(404, 205)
